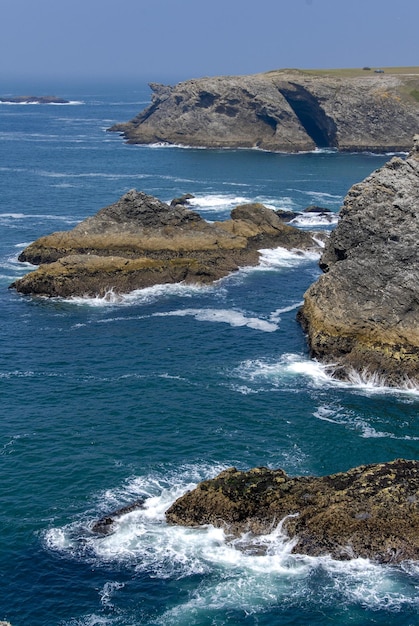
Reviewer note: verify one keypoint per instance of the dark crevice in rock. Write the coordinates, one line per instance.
(269, 120)
(228, 110)
(206, 99)
(319, 126)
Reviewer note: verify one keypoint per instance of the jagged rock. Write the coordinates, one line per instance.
(371, 511)
(362, 315)
(106, 525)
(182, 200)
(283, 110)
(139, 241)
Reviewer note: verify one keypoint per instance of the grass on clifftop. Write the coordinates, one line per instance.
(352, 72)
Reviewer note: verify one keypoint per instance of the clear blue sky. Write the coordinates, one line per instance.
(167, 40)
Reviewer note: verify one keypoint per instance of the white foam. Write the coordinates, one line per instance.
(216, 203)
(141, 296)
(289, 367)
(274, 258)
(249, 573)
(275, 316)
(226, 202)
(343, 417)
(226, 316)
(107, 592)
(283, 372)
(309, 220)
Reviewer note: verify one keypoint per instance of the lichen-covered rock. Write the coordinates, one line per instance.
(371, 511)
(362, 315)
(139, 241)
(283, 110)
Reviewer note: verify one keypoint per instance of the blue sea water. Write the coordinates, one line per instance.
(107, 400)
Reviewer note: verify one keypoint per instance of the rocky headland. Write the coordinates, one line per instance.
(362, 315)
(371, 511)
(284, 110)
(139, 241)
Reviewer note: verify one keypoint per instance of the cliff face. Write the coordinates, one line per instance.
(362, 315)
(139, 241)
(286, 110)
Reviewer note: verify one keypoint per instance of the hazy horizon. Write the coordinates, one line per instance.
(172, 40)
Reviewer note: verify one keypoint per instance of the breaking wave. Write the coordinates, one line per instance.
(249, 575)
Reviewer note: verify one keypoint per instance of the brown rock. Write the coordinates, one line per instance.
(139, 241)
(371, 511)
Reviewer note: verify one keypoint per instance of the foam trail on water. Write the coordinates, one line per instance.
(141, 296)
(343, 417)
(226, 316)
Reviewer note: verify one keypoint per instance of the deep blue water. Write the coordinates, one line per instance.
(106, 401)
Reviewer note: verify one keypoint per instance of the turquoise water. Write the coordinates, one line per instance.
(104, 401)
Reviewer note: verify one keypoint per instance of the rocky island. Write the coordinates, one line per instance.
(371, 511)
(285, 110)
(33, 100)
(140, 241)
(362, 315)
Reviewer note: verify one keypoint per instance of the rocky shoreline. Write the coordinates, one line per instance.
(139, 241)
(371, 511)
(362, 315)
(284, 110)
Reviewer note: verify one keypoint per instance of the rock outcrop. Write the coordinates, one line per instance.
(106, 525)
(371, 511)
(33, 100)
(362, 315)
(284, 110)
(139, 241)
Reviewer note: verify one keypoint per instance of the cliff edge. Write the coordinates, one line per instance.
(362, 315)
(284, 110)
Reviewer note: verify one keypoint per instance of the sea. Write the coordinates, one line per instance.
(108, 400)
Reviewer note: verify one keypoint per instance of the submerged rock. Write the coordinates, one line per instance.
(371, 511)
(139, 242)
(362, 315)
(284, 110)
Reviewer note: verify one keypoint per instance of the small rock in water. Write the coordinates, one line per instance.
(105, 525)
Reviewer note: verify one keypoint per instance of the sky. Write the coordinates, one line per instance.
(171, 40)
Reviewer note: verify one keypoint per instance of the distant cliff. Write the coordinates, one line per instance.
(285, 110)
(33, 100)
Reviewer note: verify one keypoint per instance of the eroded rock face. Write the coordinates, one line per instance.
(283, 110)
(362, 315)
(371, 511)
(139, 241)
